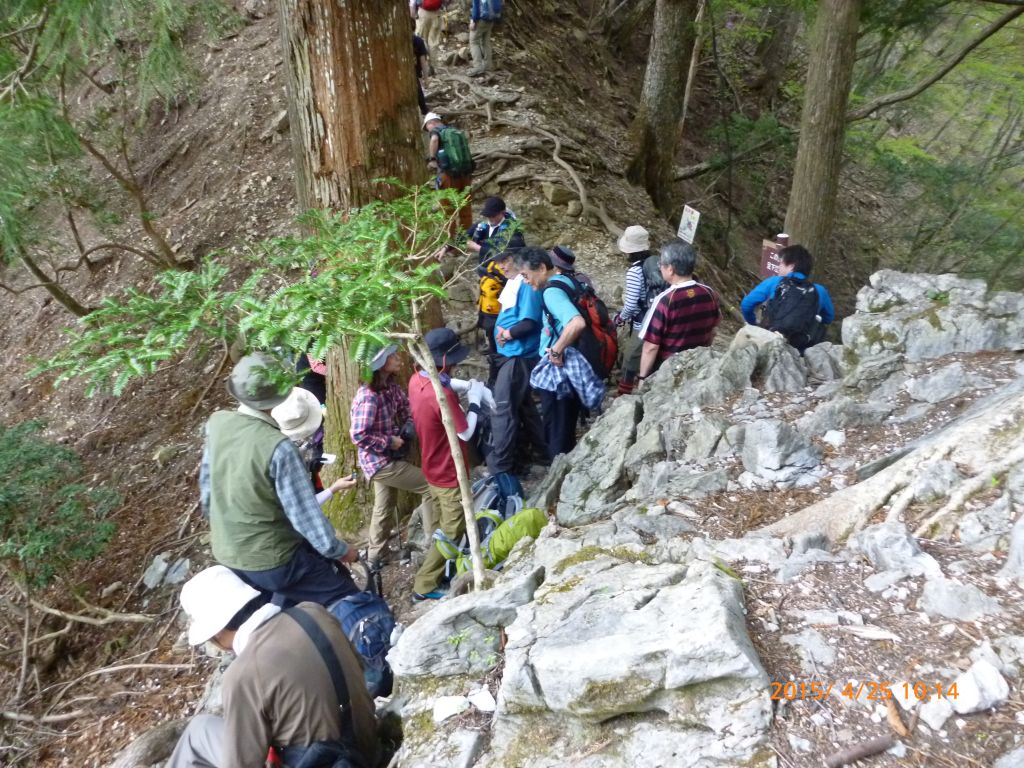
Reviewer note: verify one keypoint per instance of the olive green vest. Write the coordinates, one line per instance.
(248, 527)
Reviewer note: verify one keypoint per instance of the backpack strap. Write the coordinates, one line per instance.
(574, 293)
(330, 659)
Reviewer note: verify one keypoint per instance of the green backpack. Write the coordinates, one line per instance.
(497, 537)
(453, 156)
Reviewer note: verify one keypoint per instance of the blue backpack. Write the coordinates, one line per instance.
(490, 10)
(367, 622)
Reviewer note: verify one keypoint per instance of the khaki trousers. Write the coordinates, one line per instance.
(397, 476)
(453, 523)
(428, 26)
(480, 46)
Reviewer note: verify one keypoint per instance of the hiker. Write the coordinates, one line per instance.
(438, 464)
(428, 20)
(562, 324)
(643, 283)
(380, 413)
(280, 692)
(265, 522)
(422, 56)
(498, 230)
(515, 422)
(449, 156)
(496, 233)
(793, 305)
(683, 316)
(482, 17)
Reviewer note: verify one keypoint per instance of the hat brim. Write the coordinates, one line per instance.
(200, 632)
(381, 358)
(452, 357)
(264, 404)
(561, 263)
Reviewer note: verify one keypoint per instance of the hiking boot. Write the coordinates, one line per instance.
(477, 72)
(437, 594)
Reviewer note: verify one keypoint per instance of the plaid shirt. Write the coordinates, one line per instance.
(294, 490)
(376, 418)
(575, 373)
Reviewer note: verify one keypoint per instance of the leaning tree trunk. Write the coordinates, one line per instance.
(654, 134)
(812, 199)
(353, 118)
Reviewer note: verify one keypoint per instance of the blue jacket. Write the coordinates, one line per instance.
(766, 289)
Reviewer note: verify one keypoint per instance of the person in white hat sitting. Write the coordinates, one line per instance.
(280, 691)
(265, 522)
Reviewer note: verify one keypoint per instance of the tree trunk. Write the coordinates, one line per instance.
(654, 134)
(354, 117)
(352, 106)
(812, 199)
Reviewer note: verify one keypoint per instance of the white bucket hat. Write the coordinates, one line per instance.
(428, 117)
(299, 416)
(634, 239)
(211, 598)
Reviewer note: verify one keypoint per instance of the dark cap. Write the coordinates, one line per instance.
(562, 256)
(445, 346)
(493, 206)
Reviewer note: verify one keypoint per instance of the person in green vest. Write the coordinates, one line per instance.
(265, 522)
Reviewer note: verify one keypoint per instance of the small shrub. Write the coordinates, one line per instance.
(48, 518)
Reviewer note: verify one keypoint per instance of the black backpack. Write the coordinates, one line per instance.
(793, 312)
(653, 281)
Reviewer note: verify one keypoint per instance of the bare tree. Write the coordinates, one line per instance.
(812, 198)
(654, 134)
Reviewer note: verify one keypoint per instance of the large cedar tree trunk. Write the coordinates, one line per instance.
(812, 199)
(654, 134)
(353, 118)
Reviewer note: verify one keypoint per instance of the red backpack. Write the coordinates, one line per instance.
(431, 5)
(599, 342)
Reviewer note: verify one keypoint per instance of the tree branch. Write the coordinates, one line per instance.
(106, 617)
(866, 110)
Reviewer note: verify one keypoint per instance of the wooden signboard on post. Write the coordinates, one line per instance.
(770, 254)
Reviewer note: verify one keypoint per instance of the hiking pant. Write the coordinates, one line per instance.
(308, 575)
(402, 476)
(631, 363)
(480, 46)
(560, 418)
(428, 26)
(201, 745)
(486, 324)
(421, 98)
(464, 220)
(448, 502)
(515, 420)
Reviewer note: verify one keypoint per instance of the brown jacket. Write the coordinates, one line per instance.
(278, 692)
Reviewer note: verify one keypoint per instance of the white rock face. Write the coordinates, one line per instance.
(629, 638)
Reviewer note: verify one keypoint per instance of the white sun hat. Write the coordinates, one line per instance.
(634, 239)
(299, 416)
(211, 598)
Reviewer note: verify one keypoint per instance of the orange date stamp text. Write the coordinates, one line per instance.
(867, 690)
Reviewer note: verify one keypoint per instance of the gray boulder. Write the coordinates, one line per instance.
(981, 687)
(598, 461)
(944, 384)
(953, 600)
(775, 451)
(151, 748)
(460, 636)
(824, 362)
(890, 547)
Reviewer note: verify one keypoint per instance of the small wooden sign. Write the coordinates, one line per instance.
(770, 258)
(688, 224)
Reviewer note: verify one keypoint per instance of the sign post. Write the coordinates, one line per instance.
(770, 254)
(688, 224)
